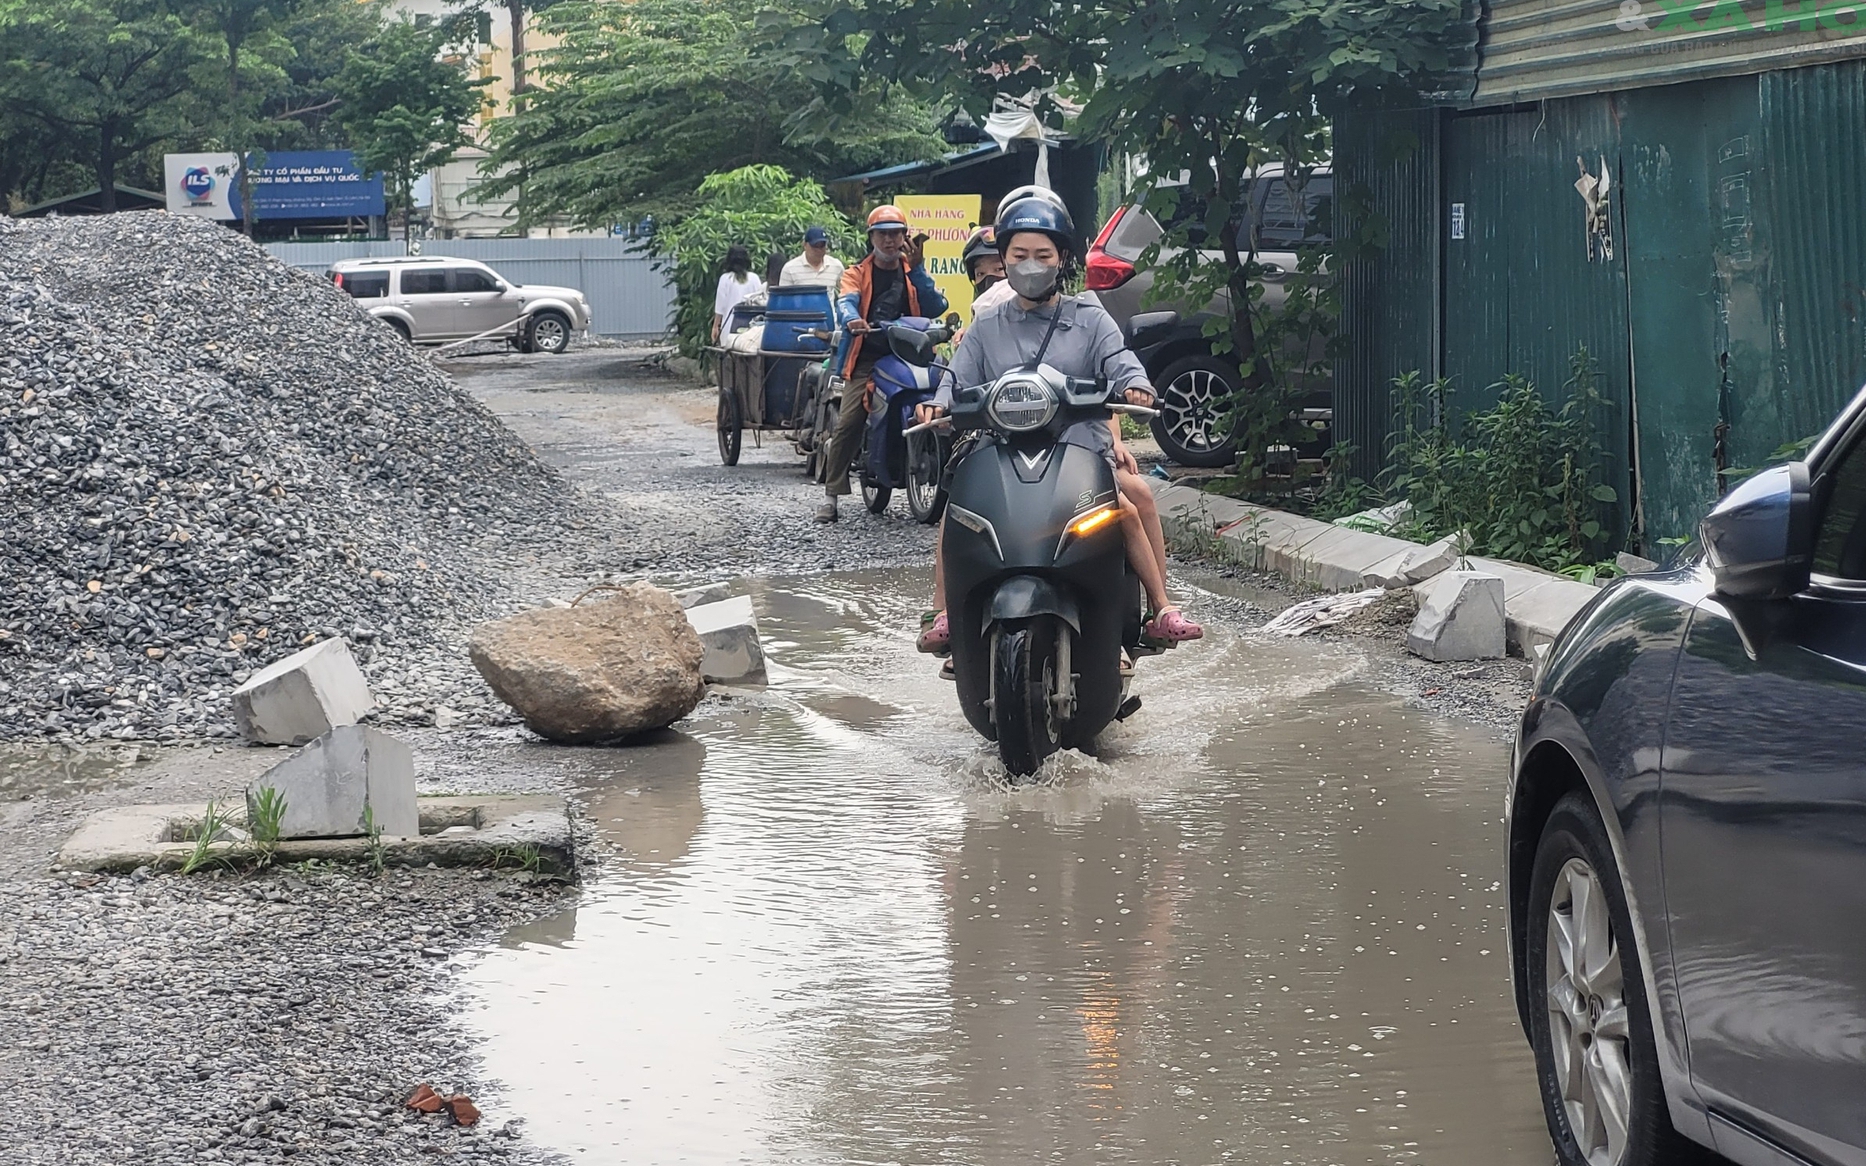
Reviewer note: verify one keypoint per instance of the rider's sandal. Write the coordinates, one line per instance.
(1169, 628)
(935, 634)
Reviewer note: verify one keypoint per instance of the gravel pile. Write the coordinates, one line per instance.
(181, 1021)
(211, 460)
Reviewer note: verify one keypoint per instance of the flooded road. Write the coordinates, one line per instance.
(1264, 927)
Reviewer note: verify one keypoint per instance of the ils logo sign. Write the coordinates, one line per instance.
(198, 184)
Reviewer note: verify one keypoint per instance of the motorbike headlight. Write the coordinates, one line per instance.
(1021, 405)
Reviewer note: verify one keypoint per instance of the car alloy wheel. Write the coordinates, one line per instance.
(1588, 1029)
(549, 333)
(1194, 427)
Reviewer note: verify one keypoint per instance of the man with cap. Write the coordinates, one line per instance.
(887, 285)
(816, 267)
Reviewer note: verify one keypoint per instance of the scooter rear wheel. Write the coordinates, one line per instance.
(875, 496)
(1024, 674)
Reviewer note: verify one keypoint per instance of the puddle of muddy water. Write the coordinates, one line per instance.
(28, 771)
(1264, 927)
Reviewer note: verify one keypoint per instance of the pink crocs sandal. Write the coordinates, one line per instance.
(1172, 627)
(935, 634)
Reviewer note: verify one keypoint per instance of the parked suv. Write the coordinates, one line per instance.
(430, 300)
(1193, 382)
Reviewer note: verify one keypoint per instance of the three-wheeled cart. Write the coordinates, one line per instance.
(774, 387)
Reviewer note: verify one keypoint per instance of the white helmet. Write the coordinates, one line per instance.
(1024, 192)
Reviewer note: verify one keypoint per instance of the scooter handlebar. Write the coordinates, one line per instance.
(1140, 411)
(941, 422)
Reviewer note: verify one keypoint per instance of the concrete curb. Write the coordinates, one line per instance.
(1537, 604)
(485, 831)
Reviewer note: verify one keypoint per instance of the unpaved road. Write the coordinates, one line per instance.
(1262, 927)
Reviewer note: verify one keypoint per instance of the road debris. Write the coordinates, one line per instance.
(1321, 612)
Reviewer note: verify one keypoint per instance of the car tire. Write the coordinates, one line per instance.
(1589, 1020)
(401, 328)
(1192, 391)
(548, 332)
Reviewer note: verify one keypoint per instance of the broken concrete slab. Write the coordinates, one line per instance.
(1415, 564)
(303, 696)
(530, 832)
(348, 782)
(1339, 558)
(706, 593)
(1627, 563)
(729, 632)
(1462, 619)
(1540, 614)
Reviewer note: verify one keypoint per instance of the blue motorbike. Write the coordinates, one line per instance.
(893, 459)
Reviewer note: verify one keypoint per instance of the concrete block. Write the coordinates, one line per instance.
(708, 593)
(1538, 615)
(341, 783)
(1339, 558)
(303, 696)
(1627, 563)
(1462, 620)
(1380, 520)
(1414, 565)
(471, 831)
(729, 632)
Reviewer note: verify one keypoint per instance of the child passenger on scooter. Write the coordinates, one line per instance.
(1034, 237)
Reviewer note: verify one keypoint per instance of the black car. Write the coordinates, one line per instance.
(1687, 840)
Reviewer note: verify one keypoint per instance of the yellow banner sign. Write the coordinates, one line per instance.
(947, 220)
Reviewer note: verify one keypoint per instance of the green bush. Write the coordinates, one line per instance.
(761, 208)
(1521, 478)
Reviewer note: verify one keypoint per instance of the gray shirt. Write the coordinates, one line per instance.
(1006, 337)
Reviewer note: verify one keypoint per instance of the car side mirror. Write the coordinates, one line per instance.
(500, 285)
(1759, 541)
(911, 345)
(1151, 328)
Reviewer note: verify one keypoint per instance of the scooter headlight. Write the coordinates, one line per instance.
(1022, 404)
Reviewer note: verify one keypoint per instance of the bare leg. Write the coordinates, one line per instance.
(939, 566)
(1140, 555)
(1135, 495)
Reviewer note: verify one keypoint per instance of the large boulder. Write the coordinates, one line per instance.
(611, 666)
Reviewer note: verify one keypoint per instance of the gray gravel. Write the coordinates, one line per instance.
(224, 459)
(172, 1021)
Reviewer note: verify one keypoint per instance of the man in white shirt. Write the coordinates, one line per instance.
(816, 267)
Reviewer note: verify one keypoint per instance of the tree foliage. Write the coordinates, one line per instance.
(100, 80)
(404, 107)
(761, 208)
(637, 103)
(1205, 90)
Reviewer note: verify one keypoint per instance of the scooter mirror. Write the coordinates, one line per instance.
(911, 345)
(1151, 328)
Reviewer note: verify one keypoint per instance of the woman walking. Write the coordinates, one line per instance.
(735, 285)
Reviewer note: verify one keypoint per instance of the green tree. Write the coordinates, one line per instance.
(297, 109)
(1205, 89)
(254, 51)
(405, 107)
(762, 208)
(639, 102)
(101, 79)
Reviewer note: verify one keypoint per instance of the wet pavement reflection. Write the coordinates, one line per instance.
(1263, 927)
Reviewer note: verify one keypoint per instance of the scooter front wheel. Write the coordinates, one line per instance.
(925, 466)
(1023, 690)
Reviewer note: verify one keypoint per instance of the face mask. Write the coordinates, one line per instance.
(985, 283)
(1034, 280)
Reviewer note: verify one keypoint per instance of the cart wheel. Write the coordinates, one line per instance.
(729, 437)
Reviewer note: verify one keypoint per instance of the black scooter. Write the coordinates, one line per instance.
(1040, 595)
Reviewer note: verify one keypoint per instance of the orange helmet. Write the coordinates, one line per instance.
(887, 218)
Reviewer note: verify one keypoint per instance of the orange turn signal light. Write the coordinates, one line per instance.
(1093, 521)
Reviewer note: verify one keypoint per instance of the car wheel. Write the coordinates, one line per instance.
(1589, 1020)
(401, 328)
(1193, 428)
(549, 332)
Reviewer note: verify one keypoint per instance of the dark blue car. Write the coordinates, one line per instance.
(1687, 840)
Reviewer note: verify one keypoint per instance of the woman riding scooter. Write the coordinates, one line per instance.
(1035, 239)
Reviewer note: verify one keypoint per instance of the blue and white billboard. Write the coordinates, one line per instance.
(314, 184)
(293, 184)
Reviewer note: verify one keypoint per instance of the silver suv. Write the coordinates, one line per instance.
(1193, 382)
(431, 300)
